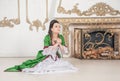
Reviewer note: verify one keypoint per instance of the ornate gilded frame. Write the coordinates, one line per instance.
(11, 22)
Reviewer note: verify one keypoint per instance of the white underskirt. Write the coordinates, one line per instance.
(48, 66)
(51, 64)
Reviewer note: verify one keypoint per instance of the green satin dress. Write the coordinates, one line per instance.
(40, 57)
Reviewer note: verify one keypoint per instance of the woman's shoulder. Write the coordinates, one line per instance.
(61, 36)
(47, 36)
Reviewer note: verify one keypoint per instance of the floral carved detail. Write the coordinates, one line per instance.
(74, 10)
(5, 22)
(101, 9)
(36, 23)
(9, 22)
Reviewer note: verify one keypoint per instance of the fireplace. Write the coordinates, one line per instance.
(95, 42)
(99, 43)
(92, 38)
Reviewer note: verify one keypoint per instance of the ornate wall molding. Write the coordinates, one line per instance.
(99, 9)
(11, 22)
(93, 20)
(75, 9)
(36, 23)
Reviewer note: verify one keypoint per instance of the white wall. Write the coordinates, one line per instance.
(19, 41)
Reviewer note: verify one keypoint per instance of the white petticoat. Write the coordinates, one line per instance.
(49, 65)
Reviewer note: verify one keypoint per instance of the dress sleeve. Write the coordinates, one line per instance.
(63, 41)
(46, 41)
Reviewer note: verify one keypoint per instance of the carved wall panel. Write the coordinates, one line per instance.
(36, 23)
(14, 21)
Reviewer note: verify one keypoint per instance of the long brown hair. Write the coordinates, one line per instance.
(51, 26)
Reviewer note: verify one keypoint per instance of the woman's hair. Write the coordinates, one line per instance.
(51, 26)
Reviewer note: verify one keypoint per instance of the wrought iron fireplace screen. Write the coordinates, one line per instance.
(97, 43)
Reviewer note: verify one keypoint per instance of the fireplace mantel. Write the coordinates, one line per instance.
(93, 20)
(90, 22)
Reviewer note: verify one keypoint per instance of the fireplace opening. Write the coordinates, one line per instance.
(98, 43)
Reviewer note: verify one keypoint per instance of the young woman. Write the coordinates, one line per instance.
(47, 60)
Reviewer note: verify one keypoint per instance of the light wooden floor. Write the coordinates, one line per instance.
(89, 70)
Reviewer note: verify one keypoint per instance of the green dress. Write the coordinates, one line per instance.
(40, 57)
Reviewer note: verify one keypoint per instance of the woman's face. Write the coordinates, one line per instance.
(56, 28)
